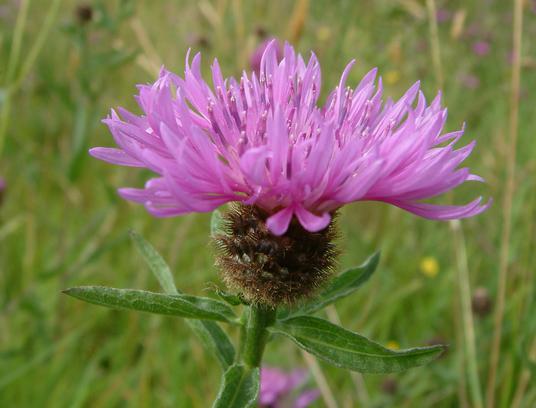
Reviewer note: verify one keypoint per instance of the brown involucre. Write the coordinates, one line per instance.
(269, 269)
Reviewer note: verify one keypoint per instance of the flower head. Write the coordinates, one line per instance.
(276, 386)
(256, 57)
(443, 15)
(469, 81)
(481, 48)
(429, 266)
(264, 141)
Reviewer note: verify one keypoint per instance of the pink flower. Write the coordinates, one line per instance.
(277, 386)
(443, 15)
(469, 81)
(264, 141)
(256, 57)
(481, 48)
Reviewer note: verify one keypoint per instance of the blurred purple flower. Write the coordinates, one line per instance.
(443, 15)
(277, 387)
(469, 81)
(256, 56)
(481, 48)
(306, 398)
(473, 30)
(263, 141)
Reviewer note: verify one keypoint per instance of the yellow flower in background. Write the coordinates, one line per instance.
(429, 266)
(392, 77)
(392, 345)
(323, 33)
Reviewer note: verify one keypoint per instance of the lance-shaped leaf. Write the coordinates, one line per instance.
(187, 306)
(215, 340)
(349, 350)
(239, 388)
(341, 286)
(212, 336)
(156, 263)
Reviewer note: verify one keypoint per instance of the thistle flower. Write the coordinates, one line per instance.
(263, 141)
(256, 57)
(469, 81)
(276, 387)
(443, 15)
(481, 48)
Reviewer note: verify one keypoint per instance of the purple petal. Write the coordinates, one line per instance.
(263, 140)
(114, 156)
(279, 222)
(306, 398)
(445, 212)
(253, 165)
(312, 222)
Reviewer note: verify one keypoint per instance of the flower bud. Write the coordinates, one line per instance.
(481, 302)
(389, 386)
(84, 13)
(271, 269)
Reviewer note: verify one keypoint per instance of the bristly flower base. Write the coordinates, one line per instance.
(269, 269)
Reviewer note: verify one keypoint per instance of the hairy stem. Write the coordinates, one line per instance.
(256, 335)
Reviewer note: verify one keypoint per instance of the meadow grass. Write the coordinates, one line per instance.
(62, 224)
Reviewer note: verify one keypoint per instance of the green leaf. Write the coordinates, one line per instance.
(187, 306)
(341, 286)
(349, 350)
(239, 388)
(157, 264)
(216, 223)
(232, 299)
(214, 339)
(212, 336)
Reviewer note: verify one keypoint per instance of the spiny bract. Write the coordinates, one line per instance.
(273, 269)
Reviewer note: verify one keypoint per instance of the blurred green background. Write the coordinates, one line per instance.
(64, 64)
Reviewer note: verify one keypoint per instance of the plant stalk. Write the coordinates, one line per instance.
(256, 336)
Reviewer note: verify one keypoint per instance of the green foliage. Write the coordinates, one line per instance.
(240, 383)
(158, 266)
(215, 340)
(239, 388)
(59, 231)
(346, 349)
(211, 335)
(187, 306)
(341, 286)
(232, 299)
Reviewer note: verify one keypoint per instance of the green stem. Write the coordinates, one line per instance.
(260, 317)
